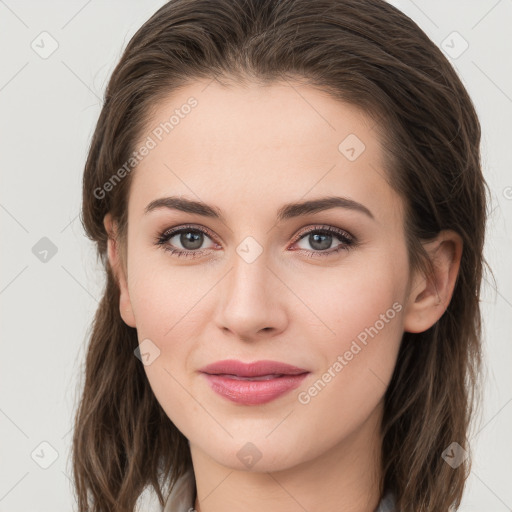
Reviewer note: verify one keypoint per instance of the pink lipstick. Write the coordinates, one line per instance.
(253, 383)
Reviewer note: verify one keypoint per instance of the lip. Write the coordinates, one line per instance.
(252, 383)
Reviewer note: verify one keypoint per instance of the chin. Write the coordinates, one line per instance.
(254, 453)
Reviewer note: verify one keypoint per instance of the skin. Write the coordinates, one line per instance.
(248, 150)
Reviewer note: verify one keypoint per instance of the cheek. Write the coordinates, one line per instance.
(362, 315)
(354, 298)
(164, 300)
(167, 310)
(165, 315)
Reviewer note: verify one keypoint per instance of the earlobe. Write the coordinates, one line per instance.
(430, 295)
(125, 306)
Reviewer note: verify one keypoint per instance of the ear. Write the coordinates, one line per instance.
(114, 258)
(429, 296)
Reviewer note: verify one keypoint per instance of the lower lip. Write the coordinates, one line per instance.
(253, 392)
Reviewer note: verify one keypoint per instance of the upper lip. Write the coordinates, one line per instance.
(254, 369)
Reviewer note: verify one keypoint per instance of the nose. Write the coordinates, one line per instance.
(252, 301)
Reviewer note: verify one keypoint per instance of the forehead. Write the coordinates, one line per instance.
(239, 144)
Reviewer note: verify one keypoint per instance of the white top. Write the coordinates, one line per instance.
(182, 497)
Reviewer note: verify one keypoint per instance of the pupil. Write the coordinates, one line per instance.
(323, 244)
(191, 240)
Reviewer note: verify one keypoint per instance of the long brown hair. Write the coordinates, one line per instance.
(364, 52)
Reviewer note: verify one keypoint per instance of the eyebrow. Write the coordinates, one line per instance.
(288, 211)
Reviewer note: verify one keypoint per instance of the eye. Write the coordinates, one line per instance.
(189, 238)
(321, 238)
(187, 241)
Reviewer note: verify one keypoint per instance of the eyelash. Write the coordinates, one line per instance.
(348, 241)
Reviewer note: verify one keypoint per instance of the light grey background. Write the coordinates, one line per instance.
(49, 107)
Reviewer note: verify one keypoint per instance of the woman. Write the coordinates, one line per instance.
(288, 201)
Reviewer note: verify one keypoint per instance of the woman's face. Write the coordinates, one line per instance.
(261, 280)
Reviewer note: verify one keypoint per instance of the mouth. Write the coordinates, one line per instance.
(240, 377)
(254, 369)
(253, 383)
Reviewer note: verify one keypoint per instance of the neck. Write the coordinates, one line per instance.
(346, 478)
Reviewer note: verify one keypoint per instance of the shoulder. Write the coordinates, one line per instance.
(182, 497)
(387, 503)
